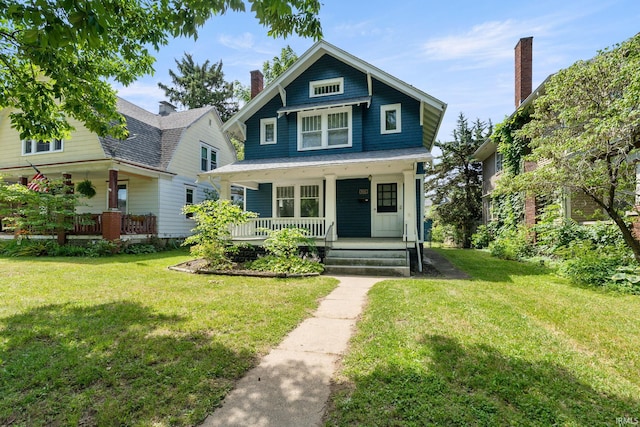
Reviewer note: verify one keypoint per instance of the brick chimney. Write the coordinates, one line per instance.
(166, 108)
(524, 67)
(257, 83)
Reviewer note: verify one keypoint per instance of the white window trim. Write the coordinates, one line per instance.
(33, 144)
(383, 121)
(324, 128)
(193, 198)
(326, 82)
(210, 149)
(263, 126)
(296, 197)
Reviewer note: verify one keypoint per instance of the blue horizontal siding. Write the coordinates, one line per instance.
(260, 200)
(366, 134)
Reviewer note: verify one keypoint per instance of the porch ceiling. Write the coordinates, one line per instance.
(249, 172)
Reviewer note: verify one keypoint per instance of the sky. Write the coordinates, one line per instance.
(461, 52)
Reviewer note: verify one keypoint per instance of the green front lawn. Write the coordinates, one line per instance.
(514, 346)
(124, 341)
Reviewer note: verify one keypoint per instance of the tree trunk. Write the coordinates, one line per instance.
(627, 235)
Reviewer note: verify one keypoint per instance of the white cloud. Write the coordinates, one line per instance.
(484, 43)
(244, 41)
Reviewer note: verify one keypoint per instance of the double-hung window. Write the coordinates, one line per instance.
(298, 200)
(208, 158)
(390, 118)
(324, 129)
(32, 146)
(285, 201)
(499, 160)
(268, 131)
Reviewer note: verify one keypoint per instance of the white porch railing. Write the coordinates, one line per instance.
(256, 227)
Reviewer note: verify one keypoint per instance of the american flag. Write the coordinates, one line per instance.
(39, 182)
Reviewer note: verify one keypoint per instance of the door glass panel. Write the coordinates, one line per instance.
(387, 197)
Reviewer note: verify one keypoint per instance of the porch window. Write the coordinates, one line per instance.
(268, 131)
(32, 146)
(390, 118)
(208, 158)
(387, 197)
(298, 200)
(285, 201)
(310, 201)
(326, 129)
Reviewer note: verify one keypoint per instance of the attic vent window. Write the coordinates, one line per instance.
(326, 87)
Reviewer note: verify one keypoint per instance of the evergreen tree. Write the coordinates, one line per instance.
(197, 85)
(454, 183)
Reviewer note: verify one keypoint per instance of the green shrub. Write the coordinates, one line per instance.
(588, 264)
(66, 250)
(627, 279)
(285, 243)
(482, 237)
(25, 247)
(512, 245)
(101, 248)
(140, 248)
(291, 265)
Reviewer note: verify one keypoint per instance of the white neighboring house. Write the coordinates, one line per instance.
(142, 182)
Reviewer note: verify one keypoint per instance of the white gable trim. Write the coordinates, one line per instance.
(309, 58)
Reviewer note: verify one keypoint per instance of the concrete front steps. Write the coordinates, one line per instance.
(367, 262)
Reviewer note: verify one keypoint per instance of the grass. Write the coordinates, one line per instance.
(516, 345)
(125, 341)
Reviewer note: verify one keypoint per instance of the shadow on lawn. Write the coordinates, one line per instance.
(479, 386)
(110, 364)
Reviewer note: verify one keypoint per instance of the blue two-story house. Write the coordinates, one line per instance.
(337, 146)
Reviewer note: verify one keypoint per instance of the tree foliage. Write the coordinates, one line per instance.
(455, 183)
(58, 56)
(279, 64)
(271, 70)
(38, 213)
(196, 85)
(585, 133)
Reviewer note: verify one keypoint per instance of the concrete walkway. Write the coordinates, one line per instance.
(291, 385)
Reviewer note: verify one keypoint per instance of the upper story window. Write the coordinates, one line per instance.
(391, 118)
(499, 160)
(326, 87)
(31, 146)
(319, 130)
(268, 131)
(208, 158)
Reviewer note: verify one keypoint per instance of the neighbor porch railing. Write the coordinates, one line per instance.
(257, 227)
(91, 224)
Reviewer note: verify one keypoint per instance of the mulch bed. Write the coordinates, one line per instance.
(200, 266)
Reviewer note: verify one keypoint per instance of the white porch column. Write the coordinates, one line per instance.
(410, 204)
(225, 189)
(330, 205)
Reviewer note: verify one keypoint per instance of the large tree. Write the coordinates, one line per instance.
(58, 56)
(454, 183)
(585, 134)
(196, 85)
